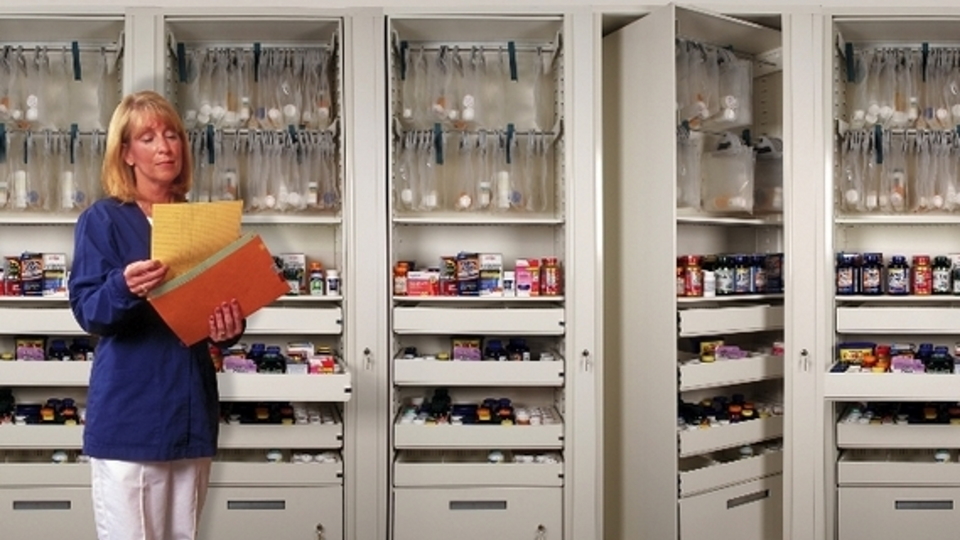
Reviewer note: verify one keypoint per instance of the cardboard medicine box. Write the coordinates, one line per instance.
(55, 274)
(491, 274)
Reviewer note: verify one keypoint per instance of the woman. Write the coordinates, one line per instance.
(152, 406)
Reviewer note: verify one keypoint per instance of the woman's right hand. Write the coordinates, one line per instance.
(143, 276)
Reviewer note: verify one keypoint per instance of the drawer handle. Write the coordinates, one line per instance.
(478, 505)
(256, 505)
(923, 505)
(747, 499)
(42, 505)
(319, 531)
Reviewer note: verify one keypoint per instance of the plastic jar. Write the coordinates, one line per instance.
(680, 281)
(724, 272)
(742, 283)
(758, 274)
(400, 279)
(922, 282)
(871, 274)
(898, 276)
(333, 283)
(315, 280)
(942, 283)
(692, 276)
(550, 278)
(846, 282)
(709, 276)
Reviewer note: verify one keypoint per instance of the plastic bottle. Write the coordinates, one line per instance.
(400, 279)
(871, 275)
(741, 275)
(724, 273)
(315, 281)
(845, 274)
(333, 283)
(922, 275)
(942, 283)
(709, 276)
(898, 276)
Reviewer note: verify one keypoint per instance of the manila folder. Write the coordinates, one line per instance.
(244, 270)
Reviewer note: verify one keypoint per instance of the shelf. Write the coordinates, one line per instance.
(893, 299)
(902, 219)
(413, 436)
(290, 219)
(44, 474)
(284, 387)
(546, 321)
(701, 441)
(467, 300)
(296, 321)
(686, 216)
(729, 320)
(249, 436)
(41, 437)
(226, 473)
(478, 219)
(891, 387)
(420, 372)
(54, 320)
(703, 475)
(696, 300)
(900, 320)
(896, 467)
(931, 436)
(412, 470)
(730, 372)
(36, 218)
(307, 299)
(47, 373)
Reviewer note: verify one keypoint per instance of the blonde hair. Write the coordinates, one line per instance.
(133, 113)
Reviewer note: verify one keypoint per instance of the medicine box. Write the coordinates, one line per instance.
(54, 274)
(295, 272)
(422, 283)
(468, 274)
(491, 274)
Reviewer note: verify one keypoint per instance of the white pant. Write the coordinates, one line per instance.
(157, 500)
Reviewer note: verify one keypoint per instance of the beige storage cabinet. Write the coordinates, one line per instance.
(898, 512)
(279, 513)
(477, 513)
(47, 512)
(749, 511)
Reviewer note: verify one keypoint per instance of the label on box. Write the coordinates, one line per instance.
(295, 272)
(54, 274)
(31, 274)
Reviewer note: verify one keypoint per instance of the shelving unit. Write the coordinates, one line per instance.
(242, 489)
(36, 497)
(442, 484)
(693, 472)
(881, 464)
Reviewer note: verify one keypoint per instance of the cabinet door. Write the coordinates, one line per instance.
(884, 512)
(478, 514)
(47, 513)
(748, 511)
(314, 513)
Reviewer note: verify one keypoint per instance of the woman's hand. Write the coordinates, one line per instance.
(226, 322)
(143, 276)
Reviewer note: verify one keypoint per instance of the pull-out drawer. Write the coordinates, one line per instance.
(278, 513)
(48, 512)
(477, 513)
(930, 513)
(747, 511)
(729, 320)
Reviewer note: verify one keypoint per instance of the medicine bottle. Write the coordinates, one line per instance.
(741, 275)
(942, 284)
(758, 274)
(333, 283)
(922, 275)
(550, 284)
(692, 276)
(871, 274)
(724, 273)
(315, 280)
(709, 276)
(845, 274)
(400, 279)
(898, 276)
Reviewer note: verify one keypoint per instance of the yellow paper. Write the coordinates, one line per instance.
(186, 234)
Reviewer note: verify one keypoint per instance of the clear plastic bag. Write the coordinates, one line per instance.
(944, 197)
(768, 177)
(735, 87)
(442, 106)
(923, 188)
(254, 189)
(465, 191)
(6, 175)
(484, 160)
(851, 185)
(892, 172)
(406, 175)
(475, 74)
(430, 192)
(887, 88)
(288, 87)
(330, 195)
(859, 102)
(689, 154)
(191, 87)
(728, 177)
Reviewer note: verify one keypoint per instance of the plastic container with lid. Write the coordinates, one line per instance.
(400, 272)
(846, 278)
(758, 274)
(871, 274)
(550, 277)
(742, 283)
(709, 276)
(724, 273)
(942, 274)
(333, 283)
(922, 275)
(315, 279)
(692, 276)
(898, 276)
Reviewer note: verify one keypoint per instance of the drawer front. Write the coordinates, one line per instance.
(478, 514)
(748, 511)
(47, 513)
(272, 512)
(931, 513)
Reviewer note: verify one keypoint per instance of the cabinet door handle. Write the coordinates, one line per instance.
(586, 362)
(804, 360)
(541, 532)
(367, 359)
(319, 531)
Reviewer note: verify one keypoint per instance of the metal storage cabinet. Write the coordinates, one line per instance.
(690, 483)
(283, 513)
(47, 512)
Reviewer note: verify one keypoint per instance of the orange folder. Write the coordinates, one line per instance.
(244, 270)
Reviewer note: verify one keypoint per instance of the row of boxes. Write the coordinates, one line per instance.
(479, 274)
(34, 274)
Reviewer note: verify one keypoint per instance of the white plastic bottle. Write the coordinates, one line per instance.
(333, 283)
(709, 283)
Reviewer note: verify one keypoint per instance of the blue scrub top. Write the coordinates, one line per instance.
(151, 397)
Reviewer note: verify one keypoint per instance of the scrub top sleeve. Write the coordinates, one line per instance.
(99, 296)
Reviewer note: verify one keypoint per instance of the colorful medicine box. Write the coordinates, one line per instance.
(491, 274)
(55, 274)
(295, 272)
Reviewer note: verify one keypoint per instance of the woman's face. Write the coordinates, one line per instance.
(155, 152)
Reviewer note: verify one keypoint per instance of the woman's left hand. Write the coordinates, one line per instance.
(226, 322)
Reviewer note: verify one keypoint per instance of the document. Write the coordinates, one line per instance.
(186, 234)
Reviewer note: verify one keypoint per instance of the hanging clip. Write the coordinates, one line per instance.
(510, 133)
(256, 62)
(404, 45)
(925, 55)
(211, 153)
(438, 143)
(74, 130)
(512, 55)
(745, 135)
(182, 61)
(3, 143)
(75, 49)
(878, 143)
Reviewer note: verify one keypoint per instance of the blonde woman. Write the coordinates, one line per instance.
(152, 406)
